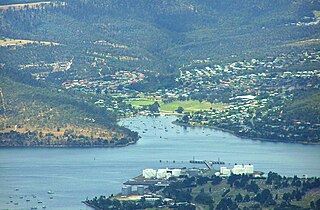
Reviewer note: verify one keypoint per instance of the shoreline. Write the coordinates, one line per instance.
(90, 205)
(163, 114)
(245, 137)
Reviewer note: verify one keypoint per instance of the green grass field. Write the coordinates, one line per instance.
(189, 106)
(140, 103)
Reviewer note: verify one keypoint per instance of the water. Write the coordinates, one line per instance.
(75, 174)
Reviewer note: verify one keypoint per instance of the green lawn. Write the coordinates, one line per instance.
(189, 106)
(140, 103)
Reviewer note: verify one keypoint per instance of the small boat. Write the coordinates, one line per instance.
(28, 200)
(50, 192)
(44, 207)
(51, 197)
(33, 208)
(39, 201)
(17, 189)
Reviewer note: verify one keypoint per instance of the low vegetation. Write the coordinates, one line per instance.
(20, 42)
(35, 115)
(234, 192)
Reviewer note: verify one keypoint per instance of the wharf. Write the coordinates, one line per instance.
(208, 163)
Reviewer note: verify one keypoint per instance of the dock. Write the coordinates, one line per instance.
(208, 163)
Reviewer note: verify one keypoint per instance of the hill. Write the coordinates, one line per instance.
(304, 107)
(213, 192)
(107, 47)
(159, 36)
(35, 114)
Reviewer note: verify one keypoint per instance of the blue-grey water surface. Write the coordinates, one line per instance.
(74, 174)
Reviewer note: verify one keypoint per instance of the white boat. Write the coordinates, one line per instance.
(50, 192)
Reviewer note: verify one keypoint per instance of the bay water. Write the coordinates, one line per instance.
(71, 175)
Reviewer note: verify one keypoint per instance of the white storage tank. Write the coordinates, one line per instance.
(176, 172)
(168, 175)
(249, 169)
(140, 190)
(238, 169)
(161, 173)
(226, 172)
(222, 169)
(126, 191)
(149, 173)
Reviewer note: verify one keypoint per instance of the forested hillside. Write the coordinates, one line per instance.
(86, 52)
(304, 107)
(161, 35)
(34, 113)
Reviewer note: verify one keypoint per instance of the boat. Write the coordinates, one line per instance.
(39, 201)
(50, 192)
(34, 207)
(44, 207)
(51, 197)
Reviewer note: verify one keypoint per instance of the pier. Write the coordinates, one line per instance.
(208, 163)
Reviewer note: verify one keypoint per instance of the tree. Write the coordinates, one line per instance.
(252, 187)
(246, 198)
(185, 119)
(216, 180)
(318, 204)
(298, 195)
(154, 108)
(239, 198)
(286, 197)
(183, 196)
(180, 109)
(202, 180)
(312, 205)
(204, 198)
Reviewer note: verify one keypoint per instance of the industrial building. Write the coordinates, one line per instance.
(149, 173)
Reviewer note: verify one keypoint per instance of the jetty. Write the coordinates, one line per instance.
(208, 163)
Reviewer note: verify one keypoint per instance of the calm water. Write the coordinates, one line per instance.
(74, 174)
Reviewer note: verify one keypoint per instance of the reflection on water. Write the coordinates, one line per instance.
(74, 174)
